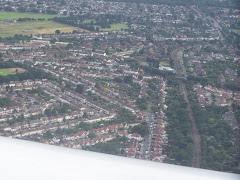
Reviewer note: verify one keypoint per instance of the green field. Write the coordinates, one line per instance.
(166, 64)
(115, 27)
(15, 15)
(35, 27)
(5, 72)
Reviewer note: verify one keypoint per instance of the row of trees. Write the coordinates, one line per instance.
(236, 109)
(30, 19)
(1, 57)
(15, 39)
(180, 143)
(217, 149)
(90, 22)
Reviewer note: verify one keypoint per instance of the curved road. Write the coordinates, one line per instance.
(196, 162)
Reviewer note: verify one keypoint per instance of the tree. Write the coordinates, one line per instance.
(57, 31)
(35, 10)
(74, 31)
(142, 103)
(118, 80)
(47, 112)
(128, 79)
(140, 129)
(154, 108)
(22, 9)
(191, 18)
(85, 115)
(8, 8)
(32, 5)
(5, 102)
(140, 77)
(97, 85)
(1, 59)
(80, 88)
(48, 135)
(152, 86)
(21, 118)
(105, 90)
(92, 135)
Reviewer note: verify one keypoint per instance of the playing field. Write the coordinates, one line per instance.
(165, 64)
(28, 28)
(115, 27)
(15, 15)
(5, 72)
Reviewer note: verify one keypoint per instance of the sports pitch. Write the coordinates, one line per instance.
(5, 72)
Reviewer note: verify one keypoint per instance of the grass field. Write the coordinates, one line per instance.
(165, 64)
(15, 15)
(28, 28)
(5, 72)
(115, 27)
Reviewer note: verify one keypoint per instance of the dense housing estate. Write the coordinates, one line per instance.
(157, 82)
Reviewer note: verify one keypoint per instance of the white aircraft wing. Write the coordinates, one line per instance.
(25, 160)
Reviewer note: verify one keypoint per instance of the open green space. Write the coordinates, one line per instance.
(34, 27)
(235, 30)
(5, 72)
(15, 15)
(115, 27)
(166, 64)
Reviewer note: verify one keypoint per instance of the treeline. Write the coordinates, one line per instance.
(90, 22)
(217, 149)
(230, 3)
(30, 19)
(236, 109)
(17, 38)
(180, 143)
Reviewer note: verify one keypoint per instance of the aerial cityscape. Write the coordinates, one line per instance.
(154, 80)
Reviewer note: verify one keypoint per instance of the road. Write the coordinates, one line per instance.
(196, 162)
(203, 16)
(68, 7)
(148, 137)
(216, 25)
